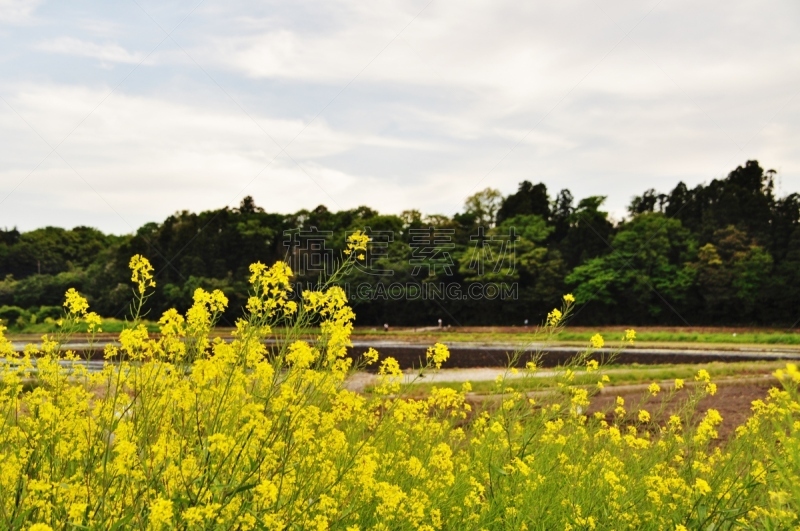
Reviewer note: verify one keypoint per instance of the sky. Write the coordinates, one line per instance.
(115, 114)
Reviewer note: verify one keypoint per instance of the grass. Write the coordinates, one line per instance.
(619, 375)
(757, 338)
(653, 336)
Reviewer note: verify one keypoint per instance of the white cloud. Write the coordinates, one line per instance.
(146, 157)
(17, 11)
(604, 99)
(108, 52)
(522, 56)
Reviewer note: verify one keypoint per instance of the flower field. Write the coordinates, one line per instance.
(180, 431)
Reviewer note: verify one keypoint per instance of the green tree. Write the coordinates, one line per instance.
(732, 273)
(529, 199)
(483, 206)
(648, 271)
(588, 232)
(508, 252)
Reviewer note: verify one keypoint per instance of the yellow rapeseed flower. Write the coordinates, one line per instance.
(569, 298)
(93, 322)
(390, 367)
(597, 341)
(437, 354)
(620, 409)
(76, 512)
(75, 303)
(790, 371)
(242, 433)
(701, 486)
(6, 347)
(703, 376)
(161, 514)
(141, 273)
(301, 355)
(554, 317)
(706, 430)
(357, 242)
(371, 356)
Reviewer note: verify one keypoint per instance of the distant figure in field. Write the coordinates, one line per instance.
(526, 323)
(385, 327)
(440, 323)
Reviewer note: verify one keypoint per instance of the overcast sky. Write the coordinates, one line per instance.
(114, 114)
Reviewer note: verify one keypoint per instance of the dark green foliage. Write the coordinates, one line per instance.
(648, 273)
(743, 268)
(529, 199)
(722, 253)
(587, 233)
(37, 290)
(50, 250)
(10, 315)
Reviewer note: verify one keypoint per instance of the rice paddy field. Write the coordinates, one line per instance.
(645, 336)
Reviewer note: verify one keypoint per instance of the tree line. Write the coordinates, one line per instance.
(726, 252)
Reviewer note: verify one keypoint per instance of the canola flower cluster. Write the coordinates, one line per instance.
(186, 431)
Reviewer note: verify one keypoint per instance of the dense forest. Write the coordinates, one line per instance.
(727, 252)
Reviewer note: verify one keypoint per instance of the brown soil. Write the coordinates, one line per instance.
(733, 402)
